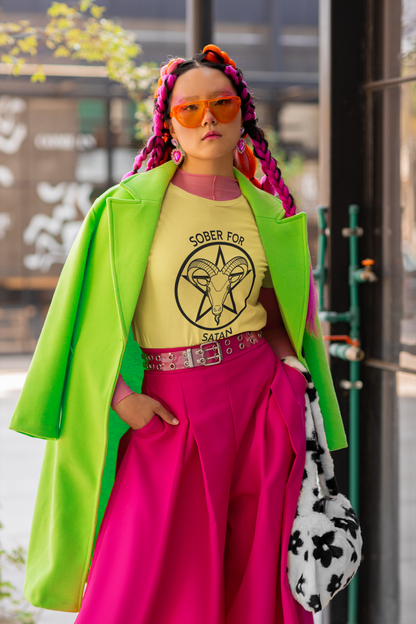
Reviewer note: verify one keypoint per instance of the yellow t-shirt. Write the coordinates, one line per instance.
(204, 273)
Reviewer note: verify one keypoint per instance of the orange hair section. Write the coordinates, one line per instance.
(214, 59)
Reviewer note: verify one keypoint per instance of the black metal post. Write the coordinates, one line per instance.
(357, 141)
(199, 25)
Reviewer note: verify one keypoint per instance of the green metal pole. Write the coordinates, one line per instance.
(320, 272)
(352, 316)
(354, 402)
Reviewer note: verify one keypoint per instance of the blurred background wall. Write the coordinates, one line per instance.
(63, 142)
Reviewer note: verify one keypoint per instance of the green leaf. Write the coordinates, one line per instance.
(97, 11)
(84, 5)
(59, 8)
(39, 75)
(61, 51)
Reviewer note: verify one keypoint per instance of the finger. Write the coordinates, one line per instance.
(163, 413)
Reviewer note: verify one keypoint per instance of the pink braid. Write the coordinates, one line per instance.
(236, 77)
(273, 176)
(268, 163)
(272, 181)
(155, 145)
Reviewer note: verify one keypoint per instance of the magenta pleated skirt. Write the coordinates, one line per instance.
(197, 526)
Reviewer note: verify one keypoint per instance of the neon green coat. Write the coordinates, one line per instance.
(67, 394)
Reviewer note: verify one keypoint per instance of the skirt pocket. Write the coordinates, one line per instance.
(153, 426)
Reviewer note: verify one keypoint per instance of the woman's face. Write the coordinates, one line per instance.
(204, 83)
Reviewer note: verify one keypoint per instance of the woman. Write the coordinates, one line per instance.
(198, 522)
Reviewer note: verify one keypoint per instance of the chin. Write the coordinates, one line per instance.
(214, 152)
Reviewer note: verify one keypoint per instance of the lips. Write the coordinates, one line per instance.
(211, 134)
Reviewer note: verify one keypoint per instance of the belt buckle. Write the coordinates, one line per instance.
(215, 347)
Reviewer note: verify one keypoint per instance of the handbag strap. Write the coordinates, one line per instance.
(315, 433)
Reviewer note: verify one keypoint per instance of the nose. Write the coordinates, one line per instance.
(208, 117)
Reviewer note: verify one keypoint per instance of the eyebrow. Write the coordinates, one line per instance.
(194, 98)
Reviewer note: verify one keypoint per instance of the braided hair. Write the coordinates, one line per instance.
(159, 147)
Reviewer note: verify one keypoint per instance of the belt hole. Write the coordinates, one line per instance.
(227, 342)
(242, 345)
(229, 350)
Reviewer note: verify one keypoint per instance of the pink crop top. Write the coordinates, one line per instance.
(218, 188)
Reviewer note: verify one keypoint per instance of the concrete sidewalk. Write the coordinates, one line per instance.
(20, 464)
(21, 459)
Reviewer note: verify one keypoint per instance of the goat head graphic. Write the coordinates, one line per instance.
(217, 283)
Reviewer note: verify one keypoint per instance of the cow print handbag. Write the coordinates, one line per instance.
(325, 543)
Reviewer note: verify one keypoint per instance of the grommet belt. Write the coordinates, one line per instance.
(205, 354)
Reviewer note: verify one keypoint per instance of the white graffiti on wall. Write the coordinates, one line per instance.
(12, 133)
(6, 223)
(53, 236)
(64, 141)
(6, 176)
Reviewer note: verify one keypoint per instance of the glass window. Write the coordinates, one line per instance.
(124, 143)
(408, 222)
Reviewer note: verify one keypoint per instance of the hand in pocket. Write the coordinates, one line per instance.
(136, 410)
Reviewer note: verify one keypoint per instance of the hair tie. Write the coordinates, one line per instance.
(167, 69)
(212, 51)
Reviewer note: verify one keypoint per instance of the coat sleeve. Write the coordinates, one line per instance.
(38, 410)
(317, 363)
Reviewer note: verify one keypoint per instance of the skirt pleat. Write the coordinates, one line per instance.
(195, 530)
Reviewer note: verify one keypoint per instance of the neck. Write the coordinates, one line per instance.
(218, 167)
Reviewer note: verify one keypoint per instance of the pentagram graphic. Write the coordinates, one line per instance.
(213, 285)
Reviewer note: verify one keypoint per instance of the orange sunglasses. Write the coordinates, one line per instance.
(191, 114)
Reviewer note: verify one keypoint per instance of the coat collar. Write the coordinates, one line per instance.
(132, 228)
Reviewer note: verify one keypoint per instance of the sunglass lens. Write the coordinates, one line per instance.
(190, 115)
(225, 110)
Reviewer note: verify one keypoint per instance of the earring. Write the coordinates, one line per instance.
(242, 143)
(177, 154)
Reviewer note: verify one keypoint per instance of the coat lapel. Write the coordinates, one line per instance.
(132, 226)
(286, 247)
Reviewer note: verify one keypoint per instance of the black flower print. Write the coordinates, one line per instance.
(347, 525)
(315, 603)
(295, 542)
(350, 513)
(311, 392)
(354, 556)
(349, 579)
(332, 486)
(307, 376)
(319, 505)
(325, 550)
(299, 584)
(334, 584)
(317, 451)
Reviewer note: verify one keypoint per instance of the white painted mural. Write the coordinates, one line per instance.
(12, 133)
(53, 235)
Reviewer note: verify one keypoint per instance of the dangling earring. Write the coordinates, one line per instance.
(242, 143)
(177, 154)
